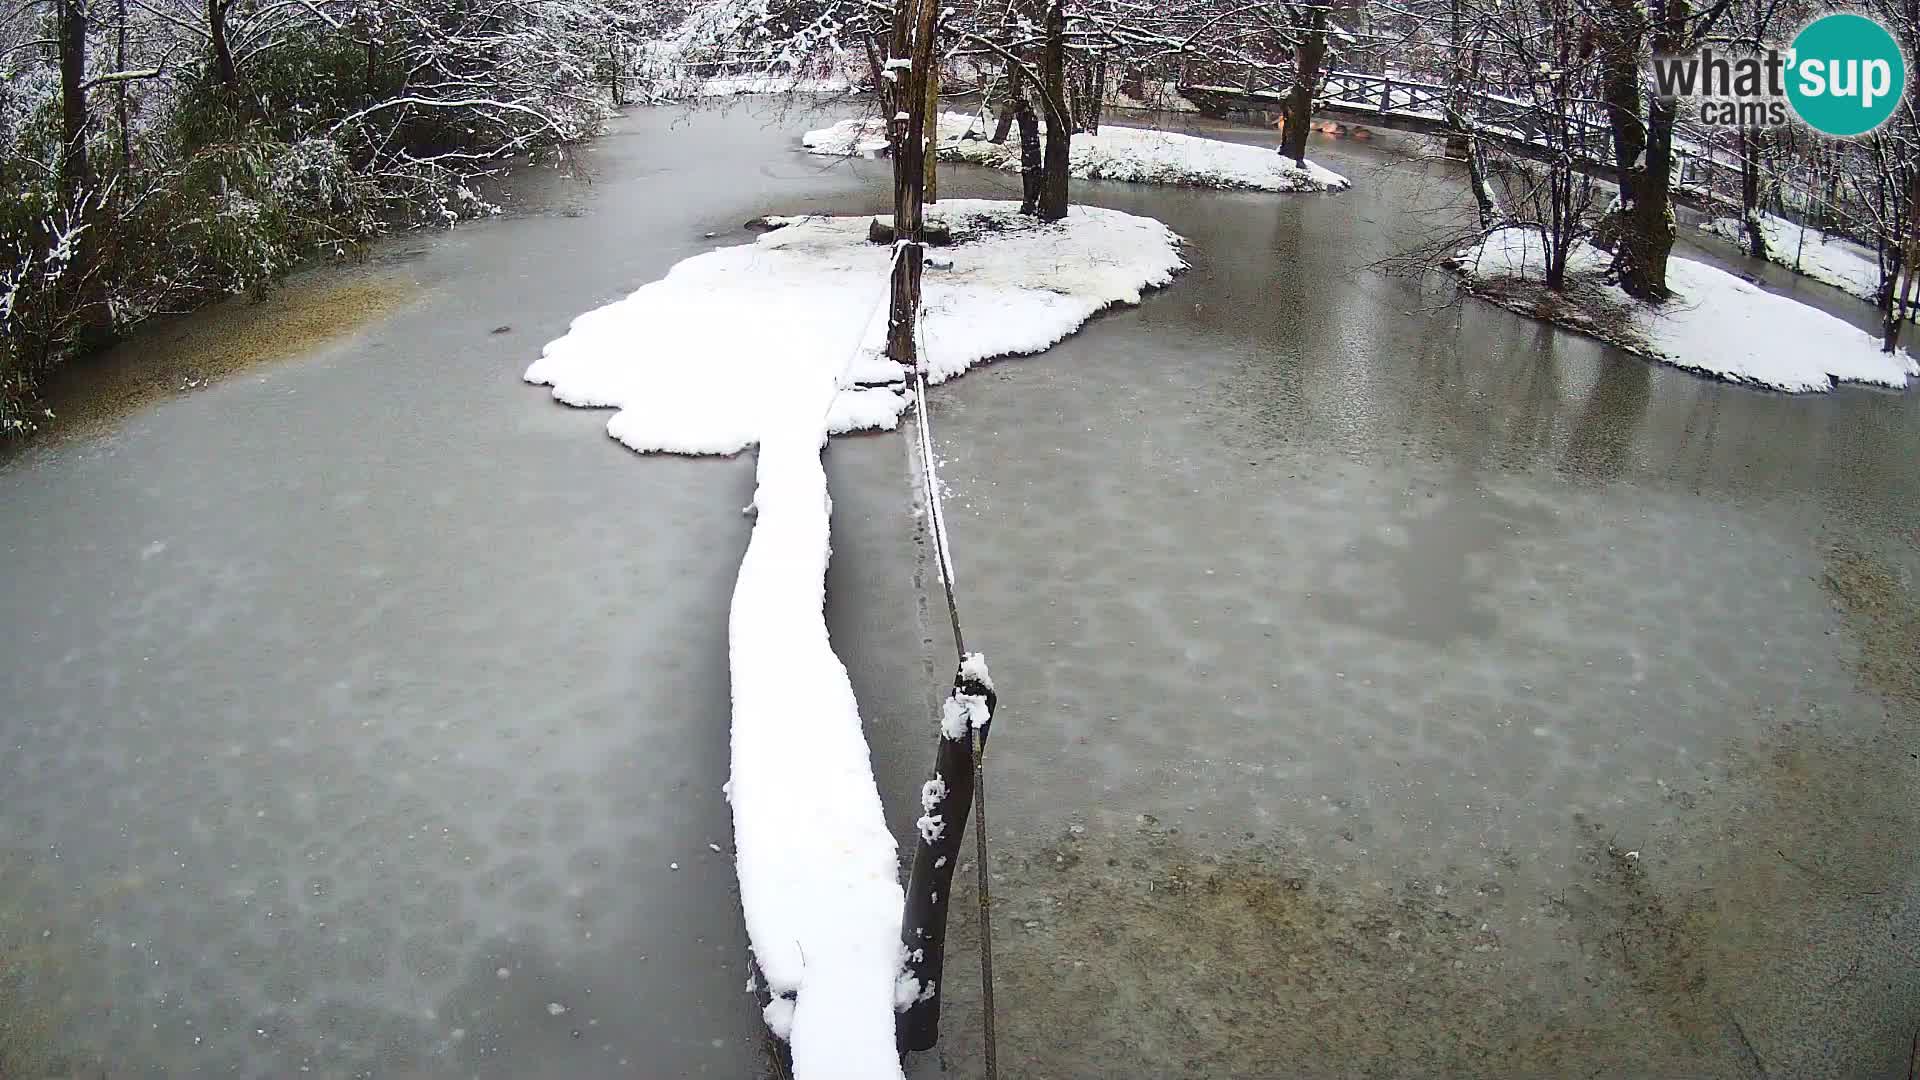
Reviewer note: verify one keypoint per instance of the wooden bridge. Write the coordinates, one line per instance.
(1517, 127)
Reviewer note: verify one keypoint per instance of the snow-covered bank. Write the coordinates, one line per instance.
(1830, 260)
(1137, 155)
(768, 343)
(1716, 323)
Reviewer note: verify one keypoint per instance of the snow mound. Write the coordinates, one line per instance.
(703, 360)
(772, 343)
(1830, 260)
(1136, 155)
(1715, 323)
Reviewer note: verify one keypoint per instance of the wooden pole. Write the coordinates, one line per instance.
(945, 803)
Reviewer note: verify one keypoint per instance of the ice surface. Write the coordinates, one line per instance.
(766, 343)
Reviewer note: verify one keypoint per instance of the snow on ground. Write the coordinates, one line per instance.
(1138, 155)
(1831, 260)
(1715, 323)
(732, 85)
(704, 359)
(764, 343)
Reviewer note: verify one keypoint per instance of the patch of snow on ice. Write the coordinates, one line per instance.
(1134, 154)
(1715, 323)
(702, 360)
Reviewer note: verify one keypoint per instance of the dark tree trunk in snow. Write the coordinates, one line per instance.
(1643, 236)
(1031, 180)
(120, 114)
(1004, 118)
(1053, 95)
(1620, 36)
(1750, 191)
(224, 73)
(1308, 57)
(909, 179)
(930, 150)
(1482, 186)
(1904, 299)
(1096, 98)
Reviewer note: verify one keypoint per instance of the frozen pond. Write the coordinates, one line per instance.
(1386, 689)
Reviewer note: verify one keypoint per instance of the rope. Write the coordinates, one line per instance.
(943, 550)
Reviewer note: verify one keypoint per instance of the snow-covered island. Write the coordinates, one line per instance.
(1715, 323)
(779, 343)
(1133, 154)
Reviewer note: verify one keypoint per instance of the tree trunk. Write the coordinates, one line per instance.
(224, 73)
(1098, 99)
(1643, 238)
(1619, 39)
(1053, 95)
(1003, 119)
(909, 179)
(120, 112)
(73, 100)
(1642, 226)
(1489, 207)
(930, 150)
(1903, 301)
(1031, 180)
(1750, 191)
(1308, 57)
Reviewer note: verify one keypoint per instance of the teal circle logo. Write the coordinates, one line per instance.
(1846, 75)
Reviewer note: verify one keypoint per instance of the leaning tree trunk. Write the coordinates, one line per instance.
(1003, 119)
(1053, 97)
(1308, 57)
(224, 73)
